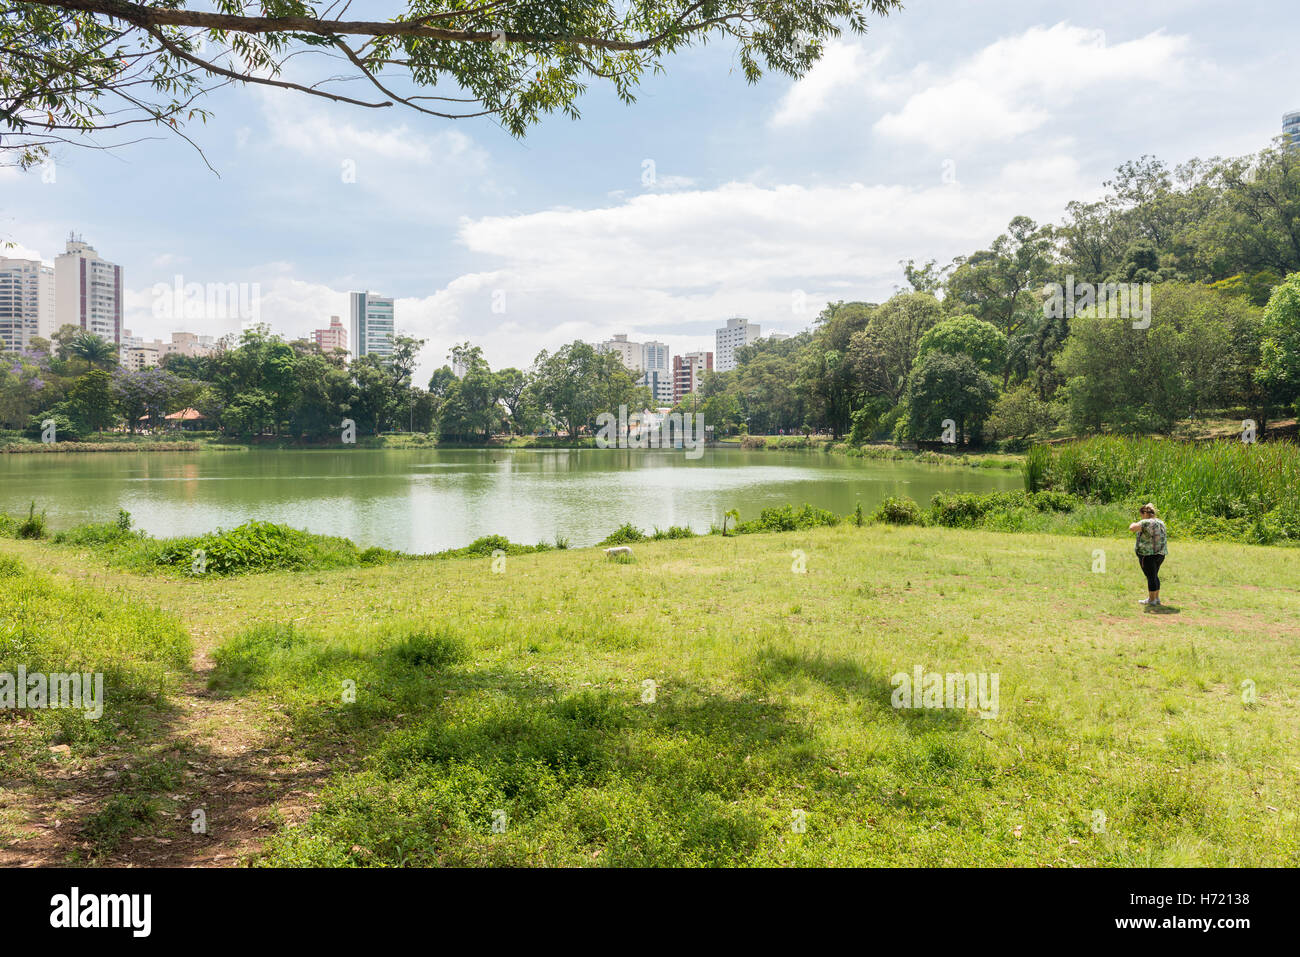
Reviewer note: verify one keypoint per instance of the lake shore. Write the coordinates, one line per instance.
(212, 442)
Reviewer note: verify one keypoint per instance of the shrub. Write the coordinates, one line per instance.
(258, 546)
(65, 429)
(485, 546)
(961, 509)
(672, 531)
(898, 511)
(33, 526)
(788, 519)
(625, 534)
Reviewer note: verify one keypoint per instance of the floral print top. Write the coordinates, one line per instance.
(1151, 537)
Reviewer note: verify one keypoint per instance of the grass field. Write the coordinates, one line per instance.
(518, 700)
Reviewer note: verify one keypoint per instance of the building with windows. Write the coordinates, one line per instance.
(88, 291)
(656, 371)
(629, 353)
(1291, 126)
(650, 360)
(738, 332)
(26, 302)
(688, 372)
(372, 325)
(138, 353)
(335, 337)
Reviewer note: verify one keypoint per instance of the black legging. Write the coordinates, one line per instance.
(1151, 568)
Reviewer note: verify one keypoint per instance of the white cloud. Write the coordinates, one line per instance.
(19, 251)
(673, 266)
(843, 66)
(1017, 84)
(379, 152)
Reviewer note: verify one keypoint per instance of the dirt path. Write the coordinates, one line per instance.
(231, 758)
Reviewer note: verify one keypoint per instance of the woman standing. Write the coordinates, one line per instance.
(1152, 547)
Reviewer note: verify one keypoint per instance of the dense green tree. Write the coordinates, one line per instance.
(943, 386)
(1279, 369)
(966, 335)
(471, 405)
(1001, 284)
(1021, 414)
(1195, 357)
(91, 400)
(882, 354)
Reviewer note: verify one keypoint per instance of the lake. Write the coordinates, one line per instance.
(427, 500)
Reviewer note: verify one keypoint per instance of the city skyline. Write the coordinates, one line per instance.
(651, 358)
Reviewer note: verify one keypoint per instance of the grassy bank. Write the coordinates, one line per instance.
(460, 697)
(875, 452)
(1221, 490)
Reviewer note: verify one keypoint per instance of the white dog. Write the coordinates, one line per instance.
(618, 550)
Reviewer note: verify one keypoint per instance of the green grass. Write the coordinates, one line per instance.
(1221, 490)
(49, 626)
(773, 695)
(456, 692)
(1225, 479)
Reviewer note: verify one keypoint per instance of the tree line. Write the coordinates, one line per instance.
(260, 384)
(979, 342)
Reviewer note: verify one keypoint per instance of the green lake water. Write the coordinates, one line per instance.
(427, 500)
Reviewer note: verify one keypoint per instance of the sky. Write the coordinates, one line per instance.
(708, 197)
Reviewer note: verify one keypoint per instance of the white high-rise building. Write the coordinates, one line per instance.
(372, 325)
(88, 291)
(656, 372)
(738, 332)
(629, 353)
(26, 302)
(649, 359)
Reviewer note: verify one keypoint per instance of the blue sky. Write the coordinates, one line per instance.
(919, 140)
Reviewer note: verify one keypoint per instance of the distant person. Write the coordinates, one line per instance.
(1152, 547)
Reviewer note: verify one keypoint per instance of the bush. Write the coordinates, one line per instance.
(898, 511)
(672, 531)
(33, 526)
(65, 429)
(625, 534)
(258, 546)
(788, 519)
(485, 546)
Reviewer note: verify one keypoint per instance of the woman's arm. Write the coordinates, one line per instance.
(1135, 526)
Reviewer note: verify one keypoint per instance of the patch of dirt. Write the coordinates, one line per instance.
(238, 770)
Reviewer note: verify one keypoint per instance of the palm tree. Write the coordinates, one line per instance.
(93, 348)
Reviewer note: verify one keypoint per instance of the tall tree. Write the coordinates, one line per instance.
(882, 354)
(1000, 284)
